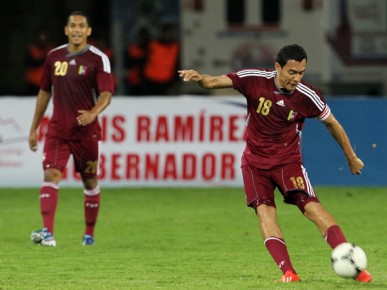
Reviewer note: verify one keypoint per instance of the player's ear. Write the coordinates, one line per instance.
(277, 67)
(89, 30)
(65, 31)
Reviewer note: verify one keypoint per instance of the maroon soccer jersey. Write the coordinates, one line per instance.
(275, 119)
(75, 80)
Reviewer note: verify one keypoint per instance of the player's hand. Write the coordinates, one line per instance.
(33, 141)
(355, 165)
(85, 117)
(190, 75)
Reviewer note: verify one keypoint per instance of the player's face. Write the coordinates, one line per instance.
(77, 31)
(290, 75)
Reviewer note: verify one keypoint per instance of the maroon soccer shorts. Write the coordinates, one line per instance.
(85, 154)
(291, 180)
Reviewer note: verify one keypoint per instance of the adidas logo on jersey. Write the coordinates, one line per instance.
(72, 62)
(281, 103)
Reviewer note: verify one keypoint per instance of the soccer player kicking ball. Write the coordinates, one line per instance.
(278, 101)
(79, 78)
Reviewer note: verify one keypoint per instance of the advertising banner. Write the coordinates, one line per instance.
(187, 141)
(192, 141)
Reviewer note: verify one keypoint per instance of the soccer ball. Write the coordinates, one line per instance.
(348, 260)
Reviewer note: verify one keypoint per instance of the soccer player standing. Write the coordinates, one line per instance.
(278, 101)
(78, 76)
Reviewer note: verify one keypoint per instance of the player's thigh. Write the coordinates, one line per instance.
(259, 187)
(86, 157)
(56, 153)
(293, 177)
(295, 186)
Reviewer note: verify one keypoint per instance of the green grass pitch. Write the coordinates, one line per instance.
(183, 238)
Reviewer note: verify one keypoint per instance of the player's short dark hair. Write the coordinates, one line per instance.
(290, 51)
(79, 13)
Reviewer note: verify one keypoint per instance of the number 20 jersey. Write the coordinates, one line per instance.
(275, 119)
(75, 81)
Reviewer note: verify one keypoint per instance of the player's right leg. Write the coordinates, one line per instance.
(259, 189)
(56, 154)
(48, 199)
(275, 243)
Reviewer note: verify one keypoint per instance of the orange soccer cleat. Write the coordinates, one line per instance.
(288, 277)
(364, 276)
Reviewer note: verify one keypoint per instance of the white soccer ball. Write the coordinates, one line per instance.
(348, 260)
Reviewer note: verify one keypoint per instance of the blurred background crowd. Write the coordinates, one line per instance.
(142, 36)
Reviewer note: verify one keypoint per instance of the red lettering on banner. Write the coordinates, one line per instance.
(118, 123)
(227, 167)
(132, 166)
(216, 125)
(113, 129)
(213, 128)
(118, 167)
(208, 166)
(101, 167)
(233, 127)
(115, 166)
(143, 128)
(201, 126)
(162, 129)
(151, 165)
(170, 167)
(189, 167)
(184, 128)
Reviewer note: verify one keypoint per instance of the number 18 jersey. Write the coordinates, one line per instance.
(275, 119)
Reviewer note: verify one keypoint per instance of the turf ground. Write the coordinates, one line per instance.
(182, 238)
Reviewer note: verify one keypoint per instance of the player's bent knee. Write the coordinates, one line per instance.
(302, 199)
(90, 183)
(52, 175)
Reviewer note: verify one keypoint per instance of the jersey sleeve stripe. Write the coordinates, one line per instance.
(105, 59)
(325, 113)
(312, 95)
(254, 72)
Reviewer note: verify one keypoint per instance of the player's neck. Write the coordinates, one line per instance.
(76, 48)
(281, 89)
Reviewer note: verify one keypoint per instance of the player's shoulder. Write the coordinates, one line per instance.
(100, 57)
(256, 72)
(307, 89)
(61, 49)
(95, 50)
(310, 95)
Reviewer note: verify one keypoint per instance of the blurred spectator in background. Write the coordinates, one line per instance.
(103, 45)
(160, 70)
(34, 62)
(135, 58)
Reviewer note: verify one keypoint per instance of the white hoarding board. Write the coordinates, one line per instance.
(174, 141)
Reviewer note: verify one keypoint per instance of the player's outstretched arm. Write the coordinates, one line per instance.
(204, 80)
(339, 134)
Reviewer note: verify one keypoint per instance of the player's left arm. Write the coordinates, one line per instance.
(87, 116)
(339, 134)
